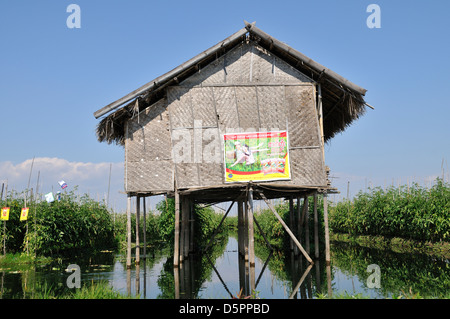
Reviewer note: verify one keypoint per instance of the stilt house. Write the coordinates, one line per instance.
(249, 113)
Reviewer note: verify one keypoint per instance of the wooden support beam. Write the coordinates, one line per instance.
(128, 231)
(291, 220)
(241, 248)
(176, 250)
(327, 234)
(144, 227)
(192, 225)
(307, 245)
(185, 209)
(251, 241)
(286, 228)
(316, 228)
(138, 215)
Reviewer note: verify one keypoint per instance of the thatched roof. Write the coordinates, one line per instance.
(342, 100)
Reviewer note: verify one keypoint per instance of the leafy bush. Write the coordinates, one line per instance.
(68, 224)
(410, 212)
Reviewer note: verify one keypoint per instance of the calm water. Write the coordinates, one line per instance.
(277, 275)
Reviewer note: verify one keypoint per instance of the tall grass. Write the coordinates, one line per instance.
(413, 212)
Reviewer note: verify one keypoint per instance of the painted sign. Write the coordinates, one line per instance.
(260, 156)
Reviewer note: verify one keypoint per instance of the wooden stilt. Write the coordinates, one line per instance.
(316, 228)
(138, 213)
(192, 225)
(307, 244)
(327, 234)
(291, 220)
(176, 250)
(251, 240)
(246, 230)
(144, 227)
(128, 231)
(299, 218)
(181, 223)
(185, 225)
(241, 248)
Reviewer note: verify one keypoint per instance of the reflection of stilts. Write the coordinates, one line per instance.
(298, 231)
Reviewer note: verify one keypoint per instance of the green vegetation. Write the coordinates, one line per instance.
(71, 224)
(414, 212)
(160, 228)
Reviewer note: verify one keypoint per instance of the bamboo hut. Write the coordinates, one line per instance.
(174, 130)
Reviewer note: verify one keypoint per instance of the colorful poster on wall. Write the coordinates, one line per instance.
(24, 213)
(5, 213)
(262, 156)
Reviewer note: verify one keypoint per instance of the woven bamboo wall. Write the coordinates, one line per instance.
(247, 89)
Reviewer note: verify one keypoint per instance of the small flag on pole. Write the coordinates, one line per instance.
(24, 213)
(62, 184)
(49, 197)
(5, 213)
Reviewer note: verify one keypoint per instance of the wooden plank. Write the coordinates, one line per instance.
(286, 228)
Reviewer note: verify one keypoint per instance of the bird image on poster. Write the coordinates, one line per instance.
(259, 156)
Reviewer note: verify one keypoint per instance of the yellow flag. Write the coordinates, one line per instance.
(5, 213)
(24, 213)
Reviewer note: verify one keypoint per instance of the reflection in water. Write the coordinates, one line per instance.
(222, 273)
(230, 276)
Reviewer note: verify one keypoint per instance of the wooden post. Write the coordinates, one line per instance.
(316, 228)
(246, 230)
(176, 250)
(241, 248)
(291, 220)
(307, 225)
(299, 218)
(327, 234)
(251, 240)
(184, 228)
(128, 231)
(144, 228)
(192, 223)
(181, 236)
(138, 216)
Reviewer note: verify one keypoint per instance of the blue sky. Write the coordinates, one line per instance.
(53, 78)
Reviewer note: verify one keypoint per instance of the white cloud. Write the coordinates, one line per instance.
(90, 177)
